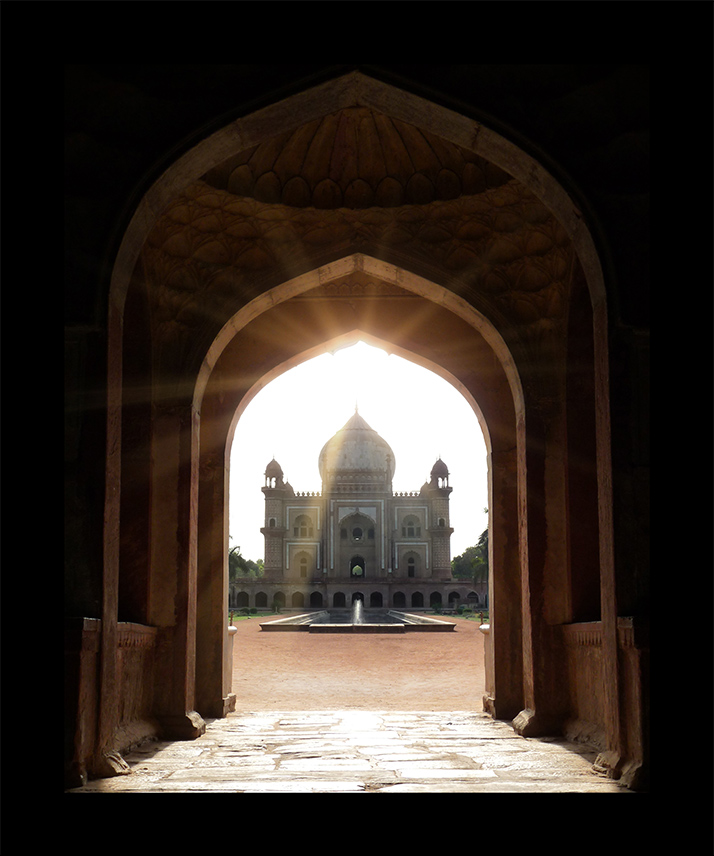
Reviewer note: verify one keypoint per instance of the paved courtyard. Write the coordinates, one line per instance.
(355, 751)
(359, 714)
(315, 671)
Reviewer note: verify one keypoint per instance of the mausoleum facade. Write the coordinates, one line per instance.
(357, 538)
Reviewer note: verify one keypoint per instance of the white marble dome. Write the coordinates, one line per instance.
(355, 450)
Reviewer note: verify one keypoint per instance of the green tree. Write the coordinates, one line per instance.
(472, 564)
(479, 563)
(461, 565)
(239, 566)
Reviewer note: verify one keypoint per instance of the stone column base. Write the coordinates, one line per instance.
(186, 726)
(529, 724)
(109, 764)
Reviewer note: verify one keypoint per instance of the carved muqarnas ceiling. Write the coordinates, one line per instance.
(357, 181)
(356, 158)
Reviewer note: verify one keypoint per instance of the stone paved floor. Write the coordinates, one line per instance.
(353, 751)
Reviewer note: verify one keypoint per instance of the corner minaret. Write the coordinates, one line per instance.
(441, 531)
(275, 490)
(439, 477)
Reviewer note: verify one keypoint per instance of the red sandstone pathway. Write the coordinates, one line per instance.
(325, 671)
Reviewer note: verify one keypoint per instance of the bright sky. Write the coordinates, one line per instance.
(293, 417)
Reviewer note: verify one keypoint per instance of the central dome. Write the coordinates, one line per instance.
(357, 455)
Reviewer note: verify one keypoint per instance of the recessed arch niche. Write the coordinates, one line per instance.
(461, 348)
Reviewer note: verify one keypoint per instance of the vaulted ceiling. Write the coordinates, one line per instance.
(359, 178)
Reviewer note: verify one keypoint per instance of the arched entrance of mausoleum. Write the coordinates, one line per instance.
(496, 286)
(468, 362)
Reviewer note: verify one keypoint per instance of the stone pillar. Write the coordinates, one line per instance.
(106, 760)
(212, 575)
(489, 698)
(229, 697)
(544, 568)
(505, 651)
(612, 759)
(172, 599)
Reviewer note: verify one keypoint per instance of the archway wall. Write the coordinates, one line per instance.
(469, 354)
(350, 91)
(508, 252)
(406, 322)
(225, 273)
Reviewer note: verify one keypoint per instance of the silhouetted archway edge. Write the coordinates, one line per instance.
(345, 341)
(354, 89)
(352, 338)
(436, 319)
(387, 273)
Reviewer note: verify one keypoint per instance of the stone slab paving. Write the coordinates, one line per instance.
(354, 751)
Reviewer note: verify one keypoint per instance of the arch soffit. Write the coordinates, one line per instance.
(354, 89)
(345, 340)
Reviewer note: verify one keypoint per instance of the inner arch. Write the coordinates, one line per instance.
(382, 272)
(346, 340)
(299, 410)
(296, 320)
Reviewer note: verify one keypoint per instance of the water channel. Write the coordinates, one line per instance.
(358, 619)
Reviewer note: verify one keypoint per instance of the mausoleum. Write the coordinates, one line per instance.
(356, 538)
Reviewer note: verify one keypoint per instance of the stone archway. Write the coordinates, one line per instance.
(358, 567)
(477, 278)
(379, 298)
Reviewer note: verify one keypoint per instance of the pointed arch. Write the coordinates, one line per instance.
(205, 358)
